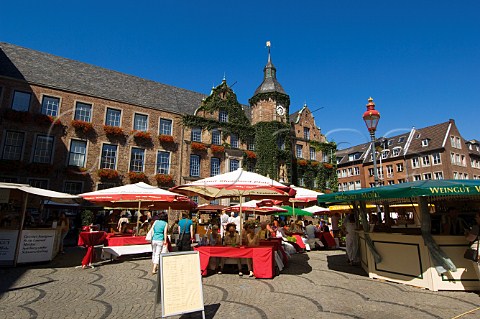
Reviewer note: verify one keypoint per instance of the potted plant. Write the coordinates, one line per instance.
(82, 126)
(217, 148)
(113, 131)
(136, 177)
(164, 179)
(250, 154)
(302, 162)
(106, 173)
(165, 139)
(199, 147)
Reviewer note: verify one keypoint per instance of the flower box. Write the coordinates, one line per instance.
(47, 120)
(113, 130)
(165, 138)
(327, 165)
(250, 154)
(314, 163)
(82, 126)
(164, 179)
(302, 162)
(142, 135)
(217, 148)
(137, 176)
(17, 116)
(106, 173)
(196, 146)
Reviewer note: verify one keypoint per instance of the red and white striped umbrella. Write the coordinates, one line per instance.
(132, 195)
(304, 195)
(256, 207)
(238, 183)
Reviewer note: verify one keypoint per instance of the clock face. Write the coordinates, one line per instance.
(280, 110)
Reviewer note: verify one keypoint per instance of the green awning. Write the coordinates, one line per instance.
(298, 212)
(406, 190)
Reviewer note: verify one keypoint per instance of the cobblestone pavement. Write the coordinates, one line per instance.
(318, 284)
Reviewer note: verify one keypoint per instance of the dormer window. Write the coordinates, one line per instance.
(396, 151)
(306, 133)
(354, 156)
(425, 142)
(385, 154)
(401, 139)
(390, 142)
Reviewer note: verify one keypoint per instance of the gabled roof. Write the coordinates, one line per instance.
(343, 154)
(435, 135)
(64, 74)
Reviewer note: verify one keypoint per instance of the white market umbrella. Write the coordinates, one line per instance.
(303, 195)
(317, 210)
(238, 183)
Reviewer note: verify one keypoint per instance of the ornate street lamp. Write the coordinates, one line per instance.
(371, 118)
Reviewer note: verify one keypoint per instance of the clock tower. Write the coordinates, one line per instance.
(270, 102)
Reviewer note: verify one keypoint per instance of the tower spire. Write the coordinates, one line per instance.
(268, 46)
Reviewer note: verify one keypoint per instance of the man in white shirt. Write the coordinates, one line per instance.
(223, 222)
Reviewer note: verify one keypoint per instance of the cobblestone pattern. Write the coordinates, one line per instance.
(318, 284)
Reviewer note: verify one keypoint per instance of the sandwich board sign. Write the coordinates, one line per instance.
(179, 284)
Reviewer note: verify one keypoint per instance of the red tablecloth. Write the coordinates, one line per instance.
(326, 237)
(126, 240)
(89, 240)
(299, 241)
(262, 257)
(277, 246)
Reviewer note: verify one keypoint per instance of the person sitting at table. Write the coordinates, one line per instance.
(123, 228)
(144, 229)
(231, 238)
(263, 233)
(312, 240)
(251, 241)
(214, 238)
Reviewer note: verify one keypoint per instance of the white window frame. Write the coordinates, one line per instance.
(165, 126)
(12, 151)
(104, 164)
(83, 111)
(140, 122)
(74, 156)
(112, 119)
(162, 167)
(50, 109)
(137, 159)
(40, 154)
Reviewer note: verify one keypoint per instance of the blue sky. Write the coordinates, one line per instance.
(419, 60)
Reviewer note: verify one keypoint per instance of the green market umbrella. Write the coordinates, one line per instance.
(294, 212)
(406, 190)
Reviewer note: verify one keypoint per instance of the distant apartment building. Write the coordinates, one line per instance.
(74, 127)
(433, 152)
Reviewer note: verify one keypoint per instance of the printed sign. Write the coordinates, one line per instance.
(8, 241)
(36, 245)
(180, 283)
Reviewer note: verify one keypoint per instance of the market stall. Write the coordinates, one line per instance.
(22, 238)
(417, 253)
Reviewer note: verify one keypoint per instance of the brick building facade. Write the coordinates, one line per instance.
(434, 152)
(74, 127)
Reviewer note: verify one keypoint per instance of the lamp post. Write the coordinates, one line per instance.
(371, 118)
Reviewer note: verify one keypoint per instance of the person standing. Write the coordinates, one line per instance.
(64, 225)
(351, 239)
(472, 236)
(185, 231)
(223, 222)
(159, 239)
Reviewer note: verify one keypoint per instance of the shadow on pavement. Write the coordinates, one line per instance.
(339, 263)
(298, 265)
(210, 311)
